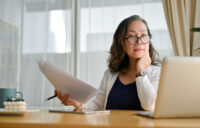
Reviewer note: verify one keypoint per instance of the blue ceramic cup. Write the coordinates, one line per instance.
(6, 93)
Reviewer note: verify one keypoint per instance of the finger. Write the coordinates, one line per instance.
(55, 92)
(147, 52)
(59, 95)
(65, 99)
(70, 102)
(148, 58)
(74, 103)
(77, 110)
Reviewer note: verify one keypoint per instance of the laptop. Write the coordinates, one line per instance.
(179, 89)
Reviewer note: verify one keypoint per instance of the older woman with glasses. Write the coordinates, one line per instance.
(131, 81)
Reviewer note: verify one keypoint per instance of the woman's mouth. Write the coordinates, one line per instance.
(138, 49)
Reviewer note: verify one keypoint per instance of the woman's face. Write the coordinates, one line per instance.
(135, 51)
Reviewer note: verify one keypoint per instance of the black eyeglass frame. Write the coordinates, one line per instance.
(137, 39)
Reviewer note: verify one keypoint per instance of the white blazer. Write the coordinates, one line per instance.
(146, 87)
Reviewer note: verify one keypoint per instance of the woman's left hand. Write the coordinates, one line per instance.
(143, 62)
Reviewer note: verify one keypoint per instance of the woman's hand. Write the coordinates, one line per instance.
(143, 62)
(66, 99)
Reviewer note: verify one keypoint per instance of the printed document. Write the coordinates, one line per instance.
(66, 83)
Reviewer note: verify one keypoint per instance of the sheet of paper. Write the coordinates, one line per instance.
(66, 83)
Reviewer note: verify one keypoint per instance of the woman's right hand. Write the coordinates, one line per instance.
(66, 99)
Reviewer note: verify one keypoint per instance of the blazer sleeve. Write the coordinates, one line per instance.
(147, 88)
(98, 102)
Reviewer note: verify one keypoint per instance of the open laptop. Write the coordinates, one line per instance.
(179, 89)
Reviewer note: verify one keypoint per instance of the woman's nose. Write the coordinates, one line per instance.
(138, 41)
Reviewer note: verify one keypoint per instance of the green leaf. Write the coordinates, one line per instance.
(195, 29)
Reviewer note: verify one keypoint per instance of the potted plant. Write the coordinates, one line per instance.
(195, 29)
(196, 51)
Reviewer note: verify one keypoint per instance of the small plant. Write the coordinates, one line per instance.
(195, 29)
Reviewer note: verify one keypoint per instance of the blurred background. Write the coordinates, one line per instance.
(73, 35)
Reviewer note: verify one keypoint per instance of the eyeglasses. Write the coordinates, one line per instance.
(134, 39)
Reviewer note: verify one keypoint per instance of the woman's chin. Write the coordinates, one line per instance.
(137, 56)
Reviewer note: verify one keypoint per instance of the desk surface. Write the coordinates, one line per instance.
(125, 119)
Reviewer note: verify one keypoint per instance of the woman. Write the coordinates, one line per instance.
(131, 81)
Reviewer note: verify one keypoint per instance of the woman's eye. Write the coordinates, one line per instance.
(132, 36)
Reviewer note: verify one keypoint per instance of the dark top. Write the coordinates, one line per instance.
(123, 97)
